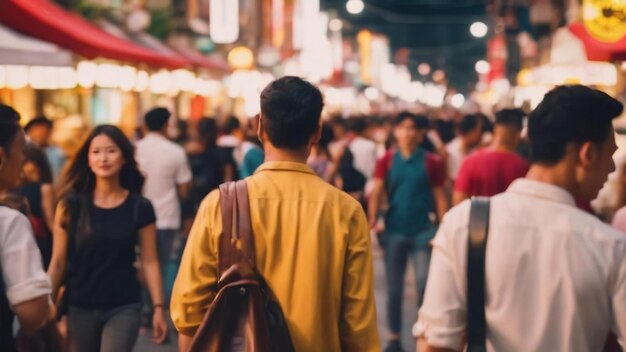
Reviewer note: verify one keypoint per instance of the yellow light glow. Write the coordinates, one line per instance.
(87, 72)
(16, 76)
(241, 58)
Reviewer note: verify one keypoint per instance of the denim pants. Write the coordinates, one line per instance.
(98, 330)
(398, 249)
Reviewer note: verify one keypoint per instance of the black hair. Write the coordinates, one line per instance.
(157, 118)
(9, 126)
(207, 131)
(231, 124)
(570, 114)
(421, 122)
(78, 177)
(355, 124)
(468, 123)
(37, 156)
(510, 117)
(327, 135)
(39, 121)
(291, 109)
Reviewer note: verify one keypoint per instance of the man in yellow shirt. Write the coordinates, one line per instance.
(311, 240)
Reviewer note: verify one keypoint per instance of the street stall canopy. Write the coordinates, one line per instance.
(596, 49)
(44, 20)
(19, 49)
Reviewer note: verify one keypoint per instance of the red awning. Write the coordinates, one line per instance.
(45, 20)
(598, 50)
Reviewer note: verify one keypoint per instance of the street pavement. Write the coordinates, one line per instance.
(380, 290)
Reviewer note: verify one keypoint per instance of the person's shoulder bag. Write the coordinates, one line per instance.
(476, 250)
(244, 316)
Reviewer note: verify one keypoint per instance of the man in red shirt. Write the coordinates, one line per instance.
(491, 170)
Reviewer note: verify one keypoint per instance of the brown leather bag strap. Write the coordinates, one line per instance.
(227, 252)
(236, 240)
(245, 224)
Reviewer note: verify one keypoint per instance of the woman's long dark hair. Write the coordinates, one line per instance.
(79, 179)
(37, 156)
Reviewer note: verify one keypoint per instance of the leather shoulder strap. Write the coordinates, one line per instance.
(227, 252)
(245, 224)
(236, 242)
(476, 250)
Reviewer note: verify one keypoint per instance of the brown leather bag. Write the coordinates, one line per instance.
(244, 316)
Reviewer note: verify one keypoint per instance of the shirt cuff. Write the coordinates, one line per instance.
(28, 290)
(437, 337)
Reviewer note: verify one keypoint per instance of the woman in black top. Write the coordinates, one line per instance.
(99, 222)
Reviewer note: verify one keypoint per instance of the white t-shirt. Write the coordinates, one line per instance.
(555, 275)
(165, 166)
(22, 269)
(365, 156)
(455, 157)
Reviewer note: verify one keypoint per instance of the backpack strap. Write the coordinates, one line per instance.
(236, 243)
(476, 250)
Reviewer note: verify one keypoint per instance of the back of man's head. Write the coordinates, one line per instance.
(231, 125)
(290, 110)
(512, 118)
(356, 124)
(156, 119)
(469, 123)
(570, 115)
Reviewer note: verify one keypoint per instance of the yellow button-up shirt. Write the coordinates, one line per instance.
(313, 249)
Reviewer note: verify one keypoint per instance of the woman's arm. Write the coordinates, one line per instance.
(47, 204)
(152, 274)
(58, 263)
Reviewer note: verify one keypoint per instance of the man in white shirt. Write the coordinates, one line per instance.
(24, 286)
(168, 179)
(470, 131)
(555, 275)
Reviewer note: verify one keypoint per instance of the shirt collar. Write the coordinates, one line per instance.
(542, 190)
(285, 166)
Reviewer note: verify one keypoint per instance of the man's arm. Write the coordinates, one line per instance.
(440, 201)
(459, 196)
(33, 314)
(374, 201)
(357, 325)
(184, 189)
(195, 285)
(422, 346)
(442, 318)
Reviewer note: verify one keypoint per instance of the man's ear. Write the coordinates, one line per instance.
(259, 129)
(588, 154)
(317, 135)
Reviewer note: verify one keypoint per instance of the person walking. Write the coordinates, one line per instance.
(491, 170)
(39, 131)
(101, 219)
(36, 186)
(554, 276)
(470, 133)
(168, 181)
(297, 218)
(24, 286)
(413, 180)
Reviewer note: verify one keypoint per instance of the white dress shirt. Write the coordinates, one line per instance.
(165, 166)
(365, 156)
(555, 275)
(22, 270)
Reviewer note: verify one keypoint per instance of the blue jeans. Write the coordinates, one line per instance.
(398, 248)
(165, 245)
(98, 330)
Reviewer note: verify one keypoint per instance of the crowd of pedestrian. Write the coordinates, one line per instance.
(122, 235)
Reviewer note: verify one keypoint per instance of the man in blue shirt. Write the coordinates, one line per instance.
(413, 180)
